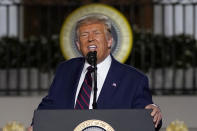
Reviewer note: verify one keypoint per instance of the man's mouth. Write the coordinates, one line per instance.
(92, 47)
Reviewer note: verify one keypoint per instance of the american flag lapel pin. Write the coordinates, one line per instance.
(114, 84)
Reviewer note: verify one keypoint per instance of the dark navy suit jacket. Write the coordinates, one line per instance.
(124, 87)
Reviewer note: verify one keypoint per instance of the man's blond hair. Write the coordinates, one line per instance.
(91, 19)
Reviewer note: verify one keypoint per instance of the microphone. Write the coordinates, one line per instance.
(91, 58)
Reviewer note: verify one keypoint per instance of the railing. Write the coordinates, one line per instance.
(165, 46)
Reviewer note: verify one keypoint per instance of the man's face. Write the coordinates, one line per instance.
(92, 37)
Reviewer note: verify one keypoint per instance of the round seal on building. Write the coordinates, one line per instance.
(121, 31)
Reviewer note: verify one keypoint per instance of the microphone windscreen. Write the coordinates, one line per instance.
(91, 57)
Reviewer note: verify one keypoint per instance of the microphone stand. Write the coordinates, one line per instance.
(92, 60)
(95, 87)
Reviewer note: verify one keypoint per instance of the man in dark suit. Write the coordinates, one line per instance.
(119, 86)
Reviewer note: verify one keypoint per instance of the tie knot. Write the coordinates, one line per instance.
(90, 69)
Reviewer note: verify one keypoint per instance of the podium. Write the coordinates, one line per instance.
(93, 120)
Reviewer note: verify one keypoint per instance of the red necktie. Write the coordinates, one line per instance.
(83, 98)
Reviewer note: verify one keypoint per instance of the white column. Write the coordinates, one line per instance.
(180, 17)
(12, 21)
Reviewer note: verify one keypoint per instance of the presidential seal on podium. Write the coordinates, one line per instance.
(94, 125)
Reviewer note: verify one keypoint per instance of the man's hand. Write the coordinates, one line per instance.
(30, 128)
(156, 113)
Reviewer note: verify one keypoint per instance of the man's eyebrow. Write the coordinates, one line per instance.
(83, 32)
(96, 30)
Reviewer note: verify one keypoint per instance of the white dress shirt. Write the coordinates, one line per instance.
(102, 70)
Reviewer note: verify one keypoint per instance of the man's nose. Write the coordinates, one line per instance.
(91, 37)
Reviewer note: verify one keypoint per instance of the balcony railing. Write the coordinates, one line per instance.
(165, 46)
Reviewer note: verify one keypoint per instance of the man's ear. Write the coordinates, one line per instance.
(78, 45)
(110, 41)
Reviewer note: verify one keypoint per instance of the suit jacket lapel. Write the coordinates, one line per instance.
(110, 86)
(76, 80)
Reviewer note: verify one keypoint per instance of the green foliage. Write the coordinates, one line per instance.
(160, 51)
(41, 53)
(149, 51)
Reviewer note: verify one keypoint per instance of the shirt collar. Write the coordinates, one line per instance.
(101, 66)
